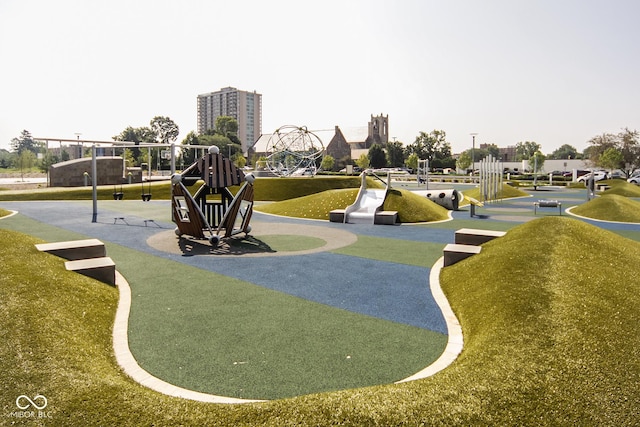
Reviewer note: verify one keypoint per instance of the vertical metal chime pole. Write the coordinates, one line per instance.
(94, 181)
(473, 155)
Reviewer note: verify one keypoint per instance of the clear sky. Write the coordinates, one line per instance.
(550, 71)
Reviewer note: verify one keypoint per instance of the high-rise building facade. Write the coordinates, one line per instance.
(245, 107)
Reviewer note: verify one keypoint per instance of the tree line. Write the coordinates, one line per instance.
(609, 150)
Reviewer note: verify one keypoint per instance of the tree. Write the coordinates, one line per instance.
(239, 160)
(377, 156)
(363, 161)
(625, 142)
(630, 148)
(536, 161)
(430, 146)
(525, 150)
(565, 151)
(493, 150)
(226, 125)
(395, 154)
(464, 161)
(25, 160)
(327, 163)
(412, 161)
(137, 136)
(612, 158)
(47, 160)
(165, 129)
(25, 142)
(5, 158)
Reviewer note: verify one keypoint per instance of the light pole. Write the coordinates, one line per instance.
(473, 154)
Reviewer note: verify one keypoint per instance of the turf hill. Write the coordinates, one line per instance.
(410, 207)
(610, 207)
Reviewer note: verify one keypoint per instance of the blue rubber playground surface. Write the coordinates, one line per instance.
(272, 322)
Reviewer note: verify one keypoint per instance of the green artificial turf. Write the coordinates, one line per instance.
(422, 254)
(413, 208)
(621, 188)
(505, 192)
(315, 206)
(158, 190)
(610, 207)
(410, 207)
(549, 314)
(266, 189)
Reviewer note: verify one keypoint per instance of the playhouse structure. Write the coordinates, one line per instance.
(212, 212)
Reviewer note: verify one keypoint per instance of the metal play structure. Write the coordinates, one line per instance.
(213, 210)
(293, 151)
(490, 179)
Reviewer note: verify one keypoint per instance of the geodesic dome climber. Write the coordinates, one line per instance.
(212, 209)
(293, 151)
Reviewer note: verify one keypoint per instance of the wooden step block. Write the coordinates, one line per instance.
(454, 253)
(336, 215)
(386, 217)
(473, 236)
(103, 269)
(75, 249)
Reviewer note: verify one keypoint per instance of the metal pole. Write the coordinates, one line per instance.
(173, 158)
(473, 155)
(94, 181)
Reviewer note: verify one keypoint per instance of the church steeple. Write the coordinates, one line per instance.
(379, 129)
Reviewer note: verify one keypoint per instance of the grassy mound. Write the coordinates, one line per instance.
(158, 190)
(4, 212)
(506, 192)
(413, 208)
(543, 346)
(270, 189)
(547, 314)
(622, 188)
(410, 207)
(315, 206)
(610, 207)
(277, 189)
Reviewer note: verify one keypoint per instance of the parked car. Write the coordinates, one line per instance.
(617, 174)
(634, 179)
(597, 176)
(579, 173)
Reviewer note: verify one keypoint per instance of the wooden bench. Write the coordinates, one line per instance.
(547, 204)
(385, 217)
(472, 236)
(454, 253)
(75, 249)
(336, 215)
(103, 268)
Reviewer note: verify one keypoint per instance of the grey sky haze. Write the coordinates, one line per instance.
(555, 72)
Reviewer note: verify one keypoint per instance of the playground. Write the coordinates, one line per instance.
(270, 315)
(296, 307)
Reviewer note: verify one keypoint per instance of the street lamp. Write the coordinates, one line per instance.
(473, 155)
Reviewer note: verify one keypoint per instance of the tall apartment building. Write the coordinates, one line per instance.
(245, 107)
